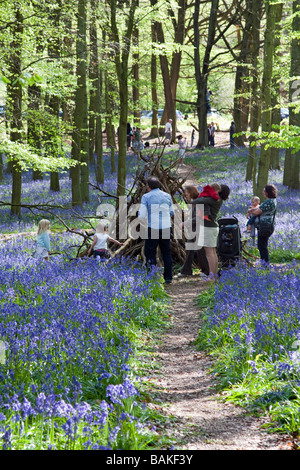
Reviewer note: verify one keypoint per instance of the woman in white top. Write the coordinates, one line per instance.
(99, 244)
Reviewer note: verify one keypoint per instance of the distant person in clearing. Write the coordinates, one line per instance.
(232, 131)
(99, 244)
(192, 137)
(168, 132)
(182, 147)
(43, 240)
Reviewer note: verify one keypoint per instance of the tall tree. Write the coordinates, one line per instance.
(255, 108)
(266, 91)
(202, 70)
(291, 166)
(241, 96)
(170, 72)
(79, 174)
(34, 123)
(53, 105)
(154, 95)
(121, 56)
(14, 101)
(135, 76)
(275, 99)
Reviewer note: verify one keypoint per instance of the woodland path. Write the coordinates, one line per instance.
(184, 388)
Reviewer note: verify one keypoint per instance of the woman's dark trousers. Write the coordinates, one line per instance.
(262, 245)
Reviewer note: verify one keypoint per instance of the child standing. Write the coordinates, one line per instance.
(100, 242)
(255, 201)
(43, 240)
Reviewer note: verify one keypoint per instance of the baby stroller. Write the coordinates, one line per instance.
(229, 245)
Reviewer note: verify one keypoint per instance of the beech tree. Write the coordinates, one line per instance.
(80, 173)
(255, 108)
(14, 101)
(273, 14)
(291, 167)
(121, 42)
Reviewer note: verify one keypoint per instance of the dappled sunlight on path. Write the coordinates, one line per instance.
(186, 390)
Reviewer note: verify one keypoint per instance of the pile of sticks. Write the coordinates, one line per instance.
(171, 182)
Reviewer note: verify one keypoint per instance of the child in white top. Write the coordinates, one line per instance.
(43, 240)
(99, 244)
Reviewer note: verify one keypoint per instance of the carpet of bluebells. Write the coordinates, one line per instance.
(252, 328)
(69, 330)
(69, 327)
(66, 380)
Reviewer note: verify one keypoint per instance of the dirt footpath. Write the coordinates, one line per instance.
(186, 390)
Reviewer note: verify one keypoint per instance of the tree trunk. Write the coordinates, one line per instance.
(121, 62)
(53, 139)
(256, 11)
(170, 75)
(33, 123)
(79, 137)
(123, 94)
(1, 167)
(135, 76)
(274, 153)
(14, 102)
(241, 102)
(110, 129)
(99, 135)
(202, 71)
(291, 167)
(154, 123)
(264, 161)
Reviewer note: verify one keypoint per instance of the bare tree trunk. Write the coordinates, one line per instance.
(171, 74)
(99, 135)
(33, 123)
(154, 123)
(264, 161)
(94, 77)
(241, 102)
(14, 101)
(202, 71)
(79, 138)
(121, 62)
(291, 165)
(274, 154)
(135, 76)
(255, 98)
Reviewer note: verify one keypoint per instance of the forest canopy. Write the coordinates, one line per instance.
(74, 72)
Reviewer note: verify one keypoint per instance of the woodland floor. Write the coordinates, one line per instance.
(185, 392)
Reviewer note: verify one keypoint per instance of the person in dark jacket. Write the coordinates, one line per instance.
(129, 135)
(232, 131)
(208, 233)
(266, 212)
(196, 256)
